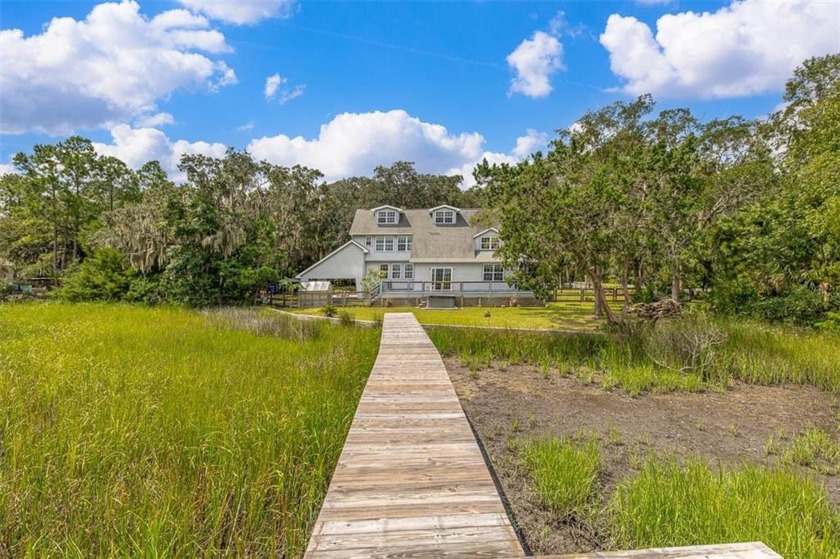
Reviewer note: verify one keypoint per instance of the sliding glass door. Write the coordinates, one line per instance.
(441, 279)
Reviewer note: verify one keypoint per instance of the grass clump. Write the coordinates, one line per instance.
(765, 354)
(565, 472)
(814, 448)
(672, 505)
(346, 318)
(132, 431)
(267, 322)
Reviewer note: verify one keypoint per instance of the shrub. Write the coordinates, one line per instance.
(800, 305)
(329, 311)
(104, 276)
(733, 298)
(147, 290)
(346, 318)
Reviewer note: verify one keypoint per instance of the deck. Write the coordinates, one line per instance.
(411, 480)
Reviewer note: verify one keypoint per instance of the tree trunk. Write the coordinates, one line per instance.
(625, 270)
(676, 285)
(638, 279)
(601, 298)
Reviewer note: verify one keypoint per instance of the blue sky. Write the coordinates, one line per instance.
(346, 86)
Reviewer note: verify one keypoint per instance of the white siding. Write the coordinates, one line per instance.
(385, 256)
(347, 263)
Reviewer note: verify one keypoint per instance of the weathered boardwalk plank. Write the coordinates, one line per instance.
(411, 480)
(747, 550)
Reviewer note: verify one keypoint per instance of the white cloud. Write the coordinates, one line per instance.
(242, 12)
(137, 146)
(354, 143)
(466, 170)
(529, 143)
(288, 94)
(524, 146)
(273, 87)
(158, 119)
(114, 65)
(351, 144)
(534, 60)
(749, 47)
(8, 169)
(247, 127)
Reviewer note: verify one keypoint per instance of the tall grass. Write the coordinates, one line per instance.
(694, 353)
(564, 472)
(813, 448)
(673, 505)
(766, 354)
(160, 432)
(516, 347)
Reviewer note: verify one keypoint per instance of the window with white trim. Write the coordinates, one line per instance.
(404, 244)
(383, 271)
(386, 217)
(444, 217)
(396, 271)
(384, 244)
(494, 272)
(441, 279)
(368, 241)
(409, 271)
(490, 242)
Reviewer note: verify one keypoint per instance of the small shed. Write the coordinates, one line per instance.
(314, 294)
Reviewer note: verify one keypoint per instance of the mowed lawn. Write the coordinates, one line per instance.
(129, 431)
(554, 316)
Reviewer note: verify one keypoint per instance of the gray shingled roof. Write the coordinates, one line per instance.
(430, 242)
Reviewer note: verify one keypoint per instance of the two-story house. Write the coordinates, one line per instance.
(419, 254)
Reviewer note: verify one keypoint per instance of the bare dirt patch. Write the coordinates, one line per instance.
(510, 405)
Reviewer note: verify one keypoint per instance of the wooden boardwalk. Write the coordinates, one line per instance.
(411, 480)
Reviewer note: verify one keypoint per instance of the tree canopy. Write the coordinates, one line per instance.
(747, 211)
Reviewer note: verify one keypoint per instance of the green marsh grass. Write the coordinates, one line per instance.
(129, 431)
(565, 472)
(813, 448)
(669, 504)
(691, 354)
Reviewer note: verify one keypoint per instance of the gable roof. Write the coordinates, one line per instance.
(444, 207)
(430, 242)
(330, 255)
(386, 207)
(480, 233)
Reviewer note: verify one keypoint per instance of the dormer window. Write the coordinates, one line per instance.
(386, 217)
(444, 217)
(490, 242)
